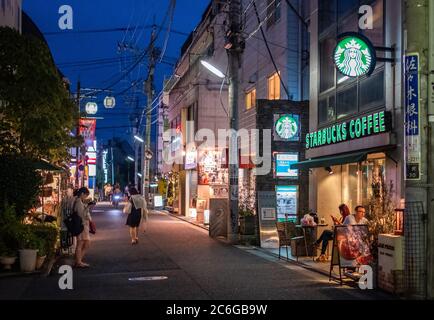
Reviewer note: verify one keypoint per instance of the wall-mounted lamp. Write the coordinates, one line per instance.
(329, 170)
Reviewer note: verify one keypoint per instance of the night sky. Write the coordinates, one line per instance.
(75, 52)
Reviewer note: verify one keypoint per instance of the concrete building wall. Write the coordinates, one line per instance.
(10, 14)
(198, 90)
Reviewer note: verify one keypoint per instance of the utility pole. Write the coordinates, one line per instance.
(136, 151)
(418, 145)
(136, 162)
(430, 240)
(113, 163)
(149, 94)
(235, 50)
(77, 180)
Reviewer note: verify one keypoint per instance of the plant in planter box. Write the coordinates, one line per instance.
(247, 220)
(29, 245)
(49, 234)
(7, 256)
(41, 254)
(9, 232)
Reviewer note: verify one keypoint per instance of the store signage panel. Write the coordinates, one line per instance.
(267, 219)
(283, 162)
(211, 168)
(373, 124)
(354, 55)
(287, 127)
(287, 199)
(412, 117)
(92, 170)
(191, 157)
(87, 131)
(351, 246)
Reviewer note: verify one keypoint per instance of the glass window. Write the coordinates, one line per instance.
(251, 99)
(373, 173)
(339, 16)
(327, 15)
(347, 102)
(350, 185)
(274, 87)
(372, 91)
(326, 110)
(376, 35)
(347, 8)
(327, 75)
(273, 12)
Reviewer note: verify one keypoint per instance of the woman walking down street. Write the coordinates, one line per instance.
(137, 211)
(83, 239)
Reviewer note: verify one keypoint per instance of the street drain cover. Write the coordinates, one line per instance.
(157, 278)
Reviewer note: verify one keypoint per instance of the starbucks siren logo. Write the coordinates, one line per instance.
(354, 57)
(286, 127)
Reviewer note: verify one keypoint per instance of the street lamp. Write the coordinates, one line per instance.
(213, 69)
(130, 158)
(139, 139)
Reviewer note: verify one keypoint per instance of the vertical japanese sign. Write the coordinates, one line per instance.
(412, 118)
(87, 131)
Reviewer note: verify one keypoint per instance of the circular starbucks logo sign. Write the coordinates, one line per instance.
(354, 55)
(286, 127)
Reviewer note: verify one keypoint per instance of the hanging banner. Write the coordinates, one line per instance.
(87, 131)
(412, 118)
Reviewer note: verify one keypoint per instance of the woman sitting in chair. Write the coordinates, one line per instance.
(328, 235)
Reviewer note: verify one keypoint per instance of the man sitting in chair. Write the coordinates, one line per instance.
(358, 218)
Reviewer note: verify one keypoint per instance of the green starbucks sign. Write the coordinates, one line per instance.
(373, 124)
(287, 127)
(354, 55)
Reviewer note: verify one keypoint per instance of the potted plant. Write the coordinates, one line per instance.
(41, 255)
(247, 220)
(7, 256)
(29, 248)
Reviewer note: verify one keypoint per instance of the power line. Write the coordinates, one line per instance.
(143, 54)
(119, 29)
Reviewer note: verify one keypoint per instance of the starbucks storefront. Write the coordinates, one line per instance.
(350, 162)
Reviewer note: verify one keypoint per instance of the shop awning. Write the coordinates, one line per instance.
(331, 161)
(46, 166)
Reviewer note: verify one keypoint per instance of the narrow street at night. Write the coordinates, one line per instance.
(196, 267)
(248, 151)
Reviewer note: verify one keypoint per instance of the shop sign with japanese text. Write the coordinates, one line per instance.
(412, 117)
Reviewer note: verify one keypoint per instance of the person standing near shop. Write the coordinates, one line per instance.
(83, 239)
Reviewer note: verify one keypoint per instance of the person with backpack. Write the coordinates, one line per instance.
(81, 209)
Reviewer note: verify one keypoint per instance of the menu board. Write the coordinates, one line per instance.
(287, 198)
(211, 171)
(283, 162)
(353, 245)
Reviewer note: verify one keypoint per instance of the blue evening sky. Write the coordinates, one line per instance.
(68, 47)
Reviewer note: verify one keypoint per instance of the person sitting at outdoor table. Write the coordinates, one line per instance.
(328, 235)
(358, 218)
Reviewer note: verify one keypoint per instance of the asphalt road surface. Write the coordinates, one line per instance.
(177, 261)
